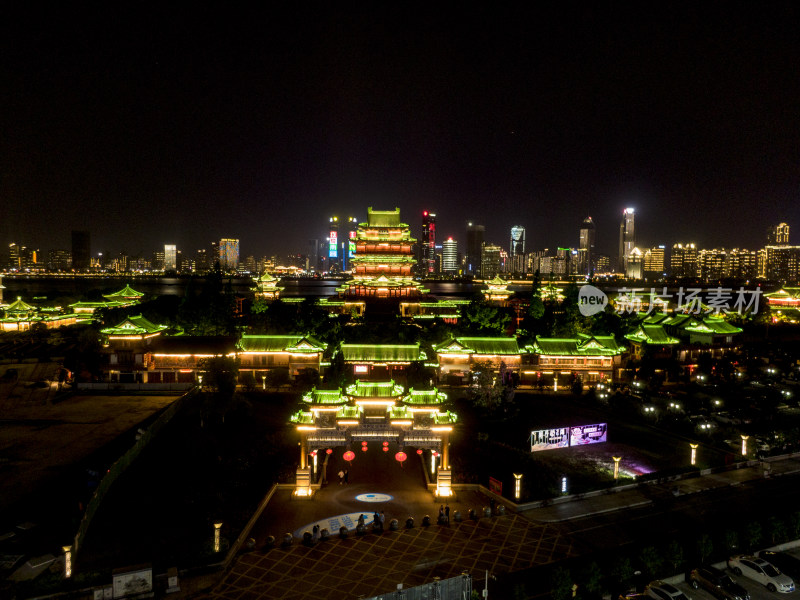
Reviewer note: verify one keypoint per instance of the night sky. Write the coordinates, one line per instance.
(148, 125)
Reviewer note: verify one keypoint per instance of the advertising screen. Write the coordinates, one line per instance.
(334, 251)
(588, 434)
(547, 439)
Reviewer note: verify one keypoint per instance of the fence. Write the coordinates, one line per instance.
(454, 588)
(119, 467)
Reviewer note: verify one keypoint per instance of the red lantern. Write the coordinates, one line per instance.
(386, 448)
(435, 453)
(364, 443)
(385, 443)
(349, 455)
(313, 453)
(419, 450)
(363, 448)
(329, 451)
(400, 457)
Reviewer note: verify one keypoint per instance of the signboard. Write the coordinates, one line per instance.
(588, 434)
(547, 439)
(351, 249)
(334, 241)
(563, 437)
(132, 583)
(496, 486)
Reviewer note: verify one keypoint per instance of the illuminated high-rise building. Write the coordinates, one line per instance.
(333, 245)
(170, 257)
(228, 254)
(683, 260)
(475, 235)
(450, 256)
(778, 235)
(586, 248)
(516, 250)
(627, 238)
(654, 262)
(428, 244)
(490, 260)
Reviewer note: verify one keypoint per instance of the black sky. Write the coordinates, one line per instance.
(147, 125)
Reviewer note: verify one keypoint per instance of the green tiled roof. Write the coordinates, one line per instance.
(134, 325)
(302, 418)
(424, 397)
(349, 412)
(400, 412)
(383, 258)
(651, 334)
(325, 397)
(598, 345)
(382, 352)
(280, 343)
(374, 389)
(384, 218)
(714, 325)
(126, 292)
(19, 306)
(480, 345)
(655, 318)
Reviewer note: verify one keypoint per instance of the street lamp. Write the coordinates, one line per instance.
(744, 444)
(217, 527)
(616, 466)
(67, 561)
(517, 485)
(694, 453)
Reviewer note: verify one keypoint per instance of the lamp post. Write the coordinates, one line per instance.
(518, 486)
(744, 444)
(217, 527)
(694, 453)
(616, 466)
(67, 561)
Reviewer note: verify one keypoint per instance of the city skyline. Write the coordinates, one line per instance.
(154, 128)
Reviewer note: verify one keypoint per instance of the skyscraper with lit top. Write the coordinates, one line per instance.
(428, 244)
(627, 238)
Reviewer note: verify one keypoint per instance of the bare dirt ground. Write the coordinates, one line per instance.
(47, 435)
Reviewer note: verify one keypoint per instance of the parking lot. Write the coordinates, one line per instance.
(756, 590)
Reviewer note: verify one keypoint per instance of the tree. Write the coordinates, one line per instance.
(753, 533)
(220, 374)
(651, 560)
(704, 547)
(593, 581)
(487, 390)
(673, 554)
(561, 584)
(622, 573)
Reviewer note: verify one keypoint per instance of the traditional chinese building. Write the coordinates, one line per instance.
(267, 287)
(384, 259)
(179, 359)
(125, 346)
(374, 415)
(259, 354)
(497, 291)
(382, 361)
(457, 356)
(126, 295)
(21, 316)
(593, 358)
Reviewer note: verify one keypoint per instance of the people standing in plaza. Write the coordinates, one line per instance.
(315, 534)
(447, 513)
(341, 477)
(441, 513)
(383, 519)
(346, 476)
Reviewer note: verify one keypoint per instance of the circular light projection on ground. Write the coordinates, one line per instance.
(374, 497)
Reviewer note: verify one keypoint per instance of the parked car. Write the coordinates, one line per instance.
(718, 583)
(761, 571)
(788, 564)
(660, 590)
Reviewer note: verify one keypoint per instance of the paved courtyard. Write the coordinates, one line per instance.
(374, 563)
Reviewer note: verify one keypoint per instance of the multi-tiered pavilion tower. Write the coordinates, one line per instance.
(382, 266)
